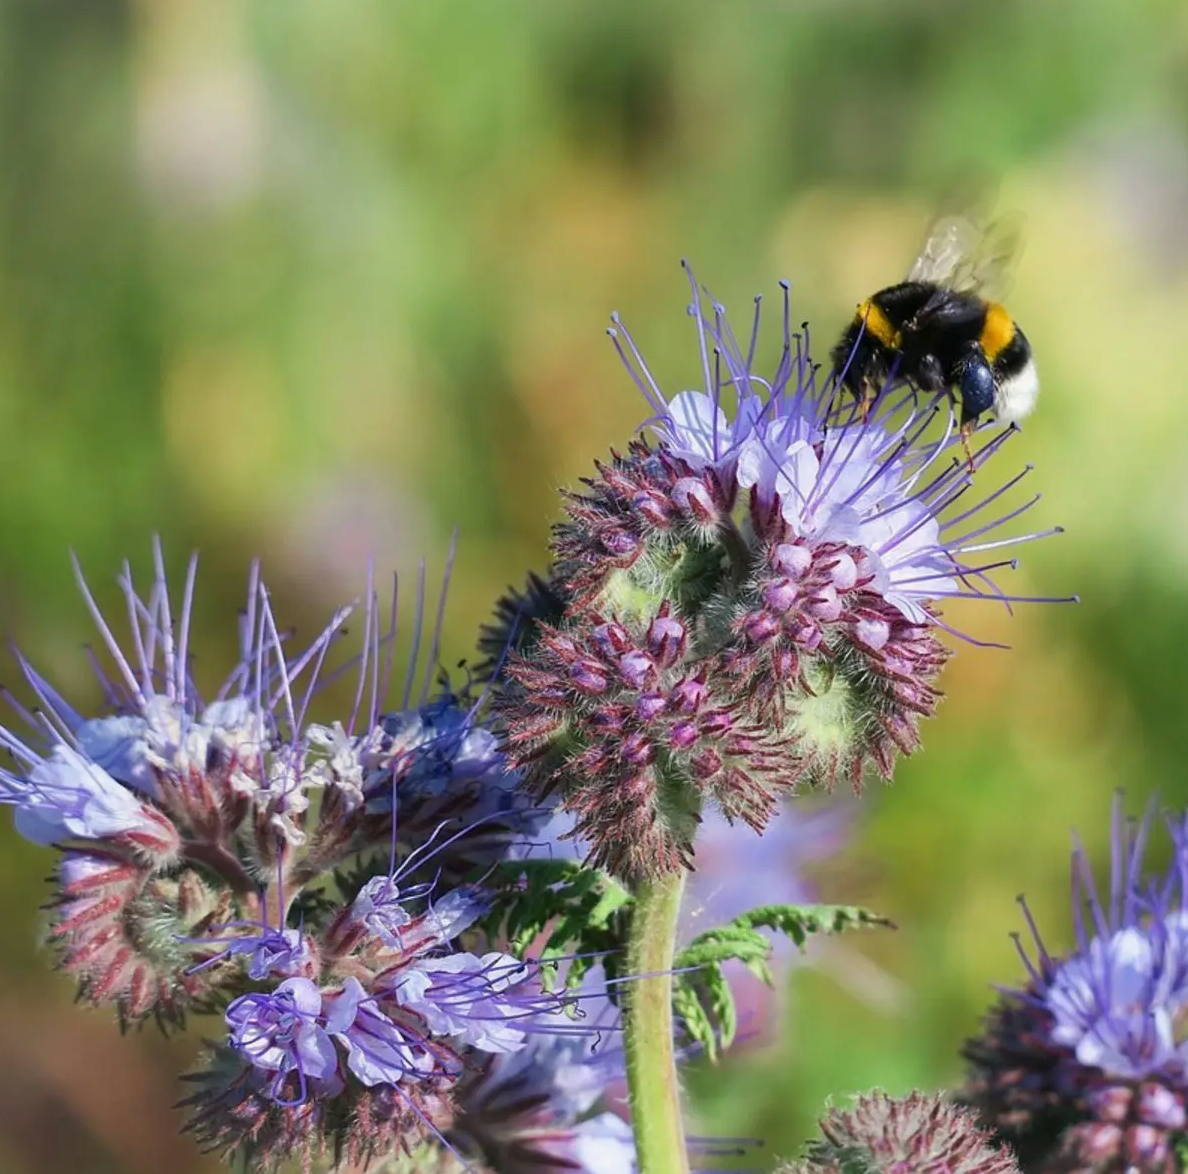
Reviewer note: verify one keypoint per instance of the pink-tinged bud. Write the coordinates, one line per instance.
(785, 663)
(825, 604)
(637, 669)
(780, 595)
(872, 634)
(562, 646)
(638, 788)
(650, 706)
(1111, 1102)
(1158, 1104)
(155, 837)
(667, 640)
(1147, 1144)
(695, 501)
(620, 544)
(1098, 1142)
(792, 560)
(652, 508)
(893, 1135)
(588, 676)
(843, 572)
(683, 735)
(638, 750)
(761, 626)
(808, 636)
(611, 639)
(689, 695)
(706, 764)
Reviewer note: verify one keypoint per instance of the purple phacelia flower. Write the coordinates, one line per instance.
(379, 1049)
(876, 485)
(67, 796)
(166, 763)
(534, 1111)
(270, 953)
(191, 800)
(283, 1032)
(473, 1001)
(1086, 1066)
(920, 1133)
(779, 551)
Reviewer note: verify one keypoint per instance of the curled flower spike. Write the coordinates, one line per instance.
(1086, 1065)
(171, 804)
(886, 1135)
(750, 604)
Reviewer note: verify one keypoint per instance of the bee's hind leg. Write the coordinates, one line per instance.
(969, 425)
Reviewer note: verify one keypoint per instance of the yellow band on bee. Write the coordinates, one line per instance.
(878, 324)
(997, 331)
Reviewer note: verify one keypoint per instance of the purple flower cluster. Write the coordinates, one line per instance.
(230, 852)
(382, 1030)
(172, 807)
(750, 606)
(1086, 1066)
(534, 1111)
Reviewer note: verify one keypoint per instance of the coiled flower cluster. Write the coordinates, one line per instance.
(880, 1134)
(305, 880)
(1085, 1068)
(747, 606)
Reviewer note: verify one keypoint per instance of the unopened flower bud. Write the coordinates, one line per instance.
(649, 706)
(825, 604)
(667, 640)
(780, 594)
(611, 639)
(872, 634)
(652, 508)
(792, 559)
(843, 572)
(637, 669)
(689, 695)
(589, 677)
(694, 499)
(706, 763)
(761, 626)
(637, 749)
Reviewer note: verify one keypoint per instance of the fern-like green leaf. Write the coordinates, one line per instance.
(702, 999)
(583, 911)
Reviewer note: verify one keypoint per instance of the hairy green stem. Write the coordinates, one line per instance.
(647, 1030)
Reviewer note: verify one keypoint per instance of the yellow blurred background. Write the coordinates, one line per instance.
(314, 281)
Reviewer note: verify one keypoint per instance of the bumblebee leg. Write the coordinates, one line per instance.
(869, 395)
(968, 428)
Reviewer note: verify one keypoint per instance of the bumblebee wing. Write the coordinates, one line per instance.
(950, 241)
(968, 251)
(988, 267)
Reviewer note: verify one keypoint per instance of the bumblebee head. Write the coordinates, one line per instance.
(976, 383)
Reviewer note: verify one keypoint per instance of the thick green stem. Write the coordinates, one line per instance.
(647, 1030)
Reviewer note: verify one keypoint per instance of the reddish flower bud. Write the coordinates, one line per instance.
(667, 640)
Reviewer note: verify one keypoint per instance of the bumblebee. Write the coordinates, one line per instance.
(944, 329)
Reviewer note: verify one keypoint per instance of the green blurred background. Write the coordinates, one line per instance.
(315, 280)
